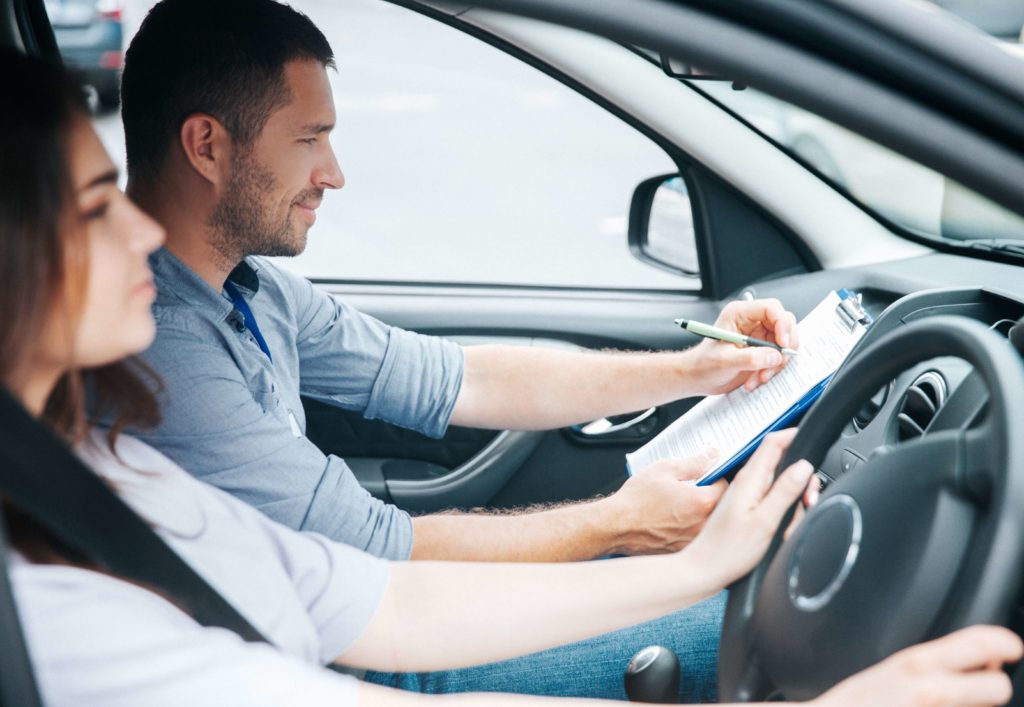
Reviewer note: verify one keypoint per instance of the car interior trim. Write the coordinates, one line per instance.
(936, 139)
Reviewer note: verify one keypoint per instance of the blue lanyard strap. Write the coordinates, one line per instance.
(250, 321)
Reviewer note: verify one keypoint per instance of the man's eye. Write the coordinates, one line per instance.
(309, 140)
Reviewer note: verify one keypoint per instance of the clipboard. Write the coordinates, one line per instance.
(784, 421)
(849, 322)
(851, 308)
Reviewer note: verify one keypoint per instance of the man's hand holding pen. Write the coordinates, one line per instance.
(725, 366)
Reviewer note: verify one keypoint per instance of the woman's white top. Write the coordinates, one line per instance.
(98, 640)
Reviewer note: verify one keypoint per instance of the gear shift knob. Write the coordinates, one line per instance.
(653, 676)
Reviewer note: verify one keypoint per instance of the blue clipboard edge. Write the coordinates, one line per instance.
(798, 408)
(783, 421)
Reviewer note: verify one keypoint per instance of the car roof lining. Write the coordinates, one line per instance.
(932, 33)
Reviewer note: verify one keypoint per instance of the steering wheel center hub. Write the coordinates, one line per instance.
(826, 554)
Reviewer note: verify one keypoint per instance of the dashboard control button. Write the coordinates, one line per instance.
(849, 459)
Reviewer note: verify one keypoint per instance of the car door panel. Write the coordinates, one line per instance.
(563, 464)
(470, 468)
(463, 470)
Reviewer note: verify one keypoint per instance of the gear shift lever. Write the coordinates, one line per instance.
(653, 676)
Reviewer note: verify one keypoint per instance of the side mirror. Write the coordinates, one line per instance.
(661, 230)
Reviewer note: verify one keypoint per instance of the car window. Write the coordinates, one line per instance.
(892, 186)
(462, 163)
(898, 189)
(90, 36)
(1000, 18)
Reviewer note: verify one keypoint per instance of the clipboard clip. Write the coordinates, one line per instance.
(851, 310)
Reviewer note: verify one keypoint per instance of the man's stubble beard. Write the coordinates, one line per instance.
(241, 224)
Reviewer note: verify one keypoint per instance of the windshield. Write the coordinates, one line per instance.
(894, 188)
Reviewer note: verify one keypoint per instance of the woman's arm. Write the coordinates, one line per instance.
(437, 615)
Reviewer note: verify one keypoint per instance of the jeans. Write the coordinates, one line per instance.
(594, 667)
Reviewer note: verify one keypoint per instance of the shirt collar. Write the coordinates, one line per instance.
(176, 281)
(245, 275)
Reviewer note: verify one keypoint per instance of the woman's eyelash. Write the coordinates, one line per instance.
(96, 213)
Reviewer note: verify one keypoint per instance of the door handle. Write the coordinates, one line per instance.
(604, 426)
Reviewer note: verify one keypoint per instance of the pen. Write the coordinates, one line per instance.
(712, 332)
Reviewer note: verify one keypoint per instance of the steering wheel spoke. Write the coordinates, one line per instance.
(983, 457)
(937, 459)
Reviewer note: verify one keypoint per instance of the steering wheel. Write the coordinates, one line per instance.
(922, 538)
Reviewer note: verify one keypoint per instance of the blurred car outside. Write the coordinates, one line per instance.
(90, 35)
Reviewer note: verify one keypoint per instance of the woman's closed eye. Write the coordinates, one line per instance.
(96, 212)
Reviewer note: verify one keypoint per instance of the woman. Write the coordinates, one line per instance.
(76, 298)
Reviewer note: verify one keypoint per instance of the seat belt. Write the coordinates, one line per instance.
(42, 478)
(17, 681)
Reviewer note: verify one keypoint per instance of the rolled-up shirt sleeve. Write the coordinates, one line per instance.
(227, 430)
(354, 361)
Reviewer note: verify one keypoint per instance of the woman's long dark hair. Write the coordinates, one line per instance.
(43, 259)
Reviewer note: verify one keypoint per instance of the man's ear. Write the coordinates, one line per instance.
(207, 146)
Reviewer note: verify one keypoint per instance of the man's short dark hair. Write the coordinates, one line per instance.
(221, 57)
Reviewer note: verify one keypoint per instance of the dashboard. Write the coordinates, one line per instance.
(917, 400)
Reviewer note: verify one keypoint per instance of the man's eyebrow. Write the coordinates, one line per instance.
(108, 177)
(316, 128)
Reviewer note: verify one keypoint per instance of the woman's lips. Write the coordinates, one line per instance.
(145, 289)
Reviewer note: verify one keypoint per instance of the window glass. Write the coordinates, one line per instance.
(464, 164)
(90, 36)
(885, 182)
(896, 188)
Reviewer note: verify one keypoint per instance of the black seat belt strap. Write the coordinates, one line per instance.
(42, 478)
(17, 681)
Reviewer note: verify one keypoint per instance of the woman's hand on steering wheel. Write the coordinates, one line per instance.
(738, 532)
(962, 668)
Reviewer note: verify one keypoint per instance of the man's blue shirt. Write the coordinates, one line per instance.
(234, 419)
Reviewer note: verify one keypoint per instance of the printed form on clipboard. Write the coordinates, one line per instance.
(735, 423)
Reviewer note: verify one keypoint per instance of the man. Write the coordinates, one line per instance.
(228, 147)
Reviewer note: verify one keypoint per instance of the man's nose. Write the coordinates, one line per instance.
(330, 176)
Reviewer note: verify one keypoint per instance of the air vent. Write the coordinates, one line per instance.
(871, 408)
(920, 405)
